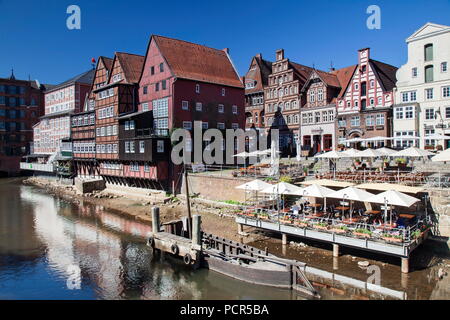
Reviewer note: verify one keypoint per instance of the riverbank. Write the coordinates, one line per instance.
(218, 218)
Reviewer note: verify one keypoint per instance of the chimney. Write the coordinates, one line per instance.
(279, 54)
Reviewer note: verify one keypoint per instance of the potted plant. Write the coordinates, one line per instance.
(401, 162)
(429, 147)
(439, 148)
(320, 226)
(340, 147)
(364, 233)
(301, 223)
(392, 238)
(263, 216)
(305, 171)
(385, 163)
(357, 162)
(339, 229)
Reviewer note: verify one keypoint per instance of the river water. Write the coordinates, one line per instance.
(51, 248)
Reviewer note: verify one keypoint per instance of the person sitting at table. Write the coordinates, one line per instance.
(295, 209)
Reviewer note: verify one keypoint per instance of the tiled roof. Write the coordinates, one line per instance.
(344, 76)
(302, 71)
(196, 62)
(259, 74)
(329, 78)
(107, 62)
(85, 77)
(131, 65)
(386, 74)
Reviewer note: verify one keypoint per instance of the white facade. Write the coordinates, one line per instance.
(423, 88)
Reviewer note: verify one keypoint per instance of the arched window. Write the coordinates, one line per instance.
(428, 52)
(429, 73)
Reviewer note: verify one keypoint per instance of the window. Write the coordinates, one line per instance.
(187, 125)
(414, 72)
(317, 118)
(234, 126)
(444, 66)
(157, 86)
(447, 112)
(204, 125)
(370, 121)
(127, 146)
(131, 146)
(429, 73)
(145, 89)
(220, 125)
(141, 146)
(320, 95)
(413, 95)
(197, 88)
(409, 112)
(114, 131)
(223, 92)
(428, 52)
(145, 106)
(234, 109)
(152, 70)
(380, 120)
(198, 106)
(160, 146)
(356, 86)
(405, 96)
(363, 89)
(163, 85)
(312, 96)
(429, 114)
(430, 141)
(161, 67)
(185, 105)
(131, 124)
(146, 167)
(446, 92)
(354, 121)
(429, 93)
(220, 108)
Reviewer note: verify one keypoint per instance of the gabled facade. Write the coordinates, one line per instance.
(115, 97)
(256, 79)
(283, 100)
(364, 106)
(83, 125)
(423, 90)
(317, 114)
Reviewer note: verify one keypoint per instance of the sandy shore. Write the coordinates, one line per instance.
(216, 218)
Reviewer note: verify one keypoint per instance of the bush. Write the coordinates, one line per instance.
(286, 179)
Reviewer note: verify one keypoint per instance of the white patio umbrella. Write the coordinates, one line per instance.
(283, 188)
(352, 194)
(412, 152)
(393, 198)
(317, 191)
(386, 151)
(349, 153)
(329, 155)
(442, 156)
(255, 185)
(370, 153)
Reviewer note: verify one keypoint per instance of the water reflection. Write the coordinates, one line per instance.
(45, 238)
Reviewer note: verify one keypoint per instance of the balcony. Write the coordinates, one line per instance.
(37, 166)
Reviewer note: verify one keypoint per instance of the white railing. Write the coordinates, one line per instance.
(36, 166)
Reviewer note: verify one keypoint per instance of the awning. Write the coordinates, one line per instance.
(442, 156)
(413, 152)
(390, 186)
(328, 183)
(394, 198)
(283, 188)
(255, 185)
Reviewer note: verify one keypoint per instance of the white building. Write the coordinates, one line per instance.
(423, 89)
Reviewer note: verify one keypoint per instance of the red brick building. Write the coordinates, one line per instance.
(283, 100)
(21, 105)
(183, 82)
(256, 79)
(83, 125)
(364, 106)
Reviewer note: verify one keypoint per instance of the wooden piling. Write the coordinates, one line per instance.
(155, 220)
(405, 265)
(196, 234)
(335, 250)
(284, 238)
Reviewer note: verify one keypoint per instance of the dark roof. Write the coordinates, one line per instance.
(344, 75)
(386, 74)
(259, 74)
(196, 62)
(133, 114)
(85, 77)
(131, 65)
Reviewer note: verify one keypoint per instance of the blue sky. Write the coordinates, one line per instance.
(35, 41)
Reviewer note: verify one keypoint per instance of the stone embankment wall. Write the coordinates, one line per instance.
(440, 202)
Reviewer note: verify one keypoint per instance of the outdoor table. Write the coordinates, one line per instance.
(407, 216)
(342, 208)
(373, 212)
(315, 205)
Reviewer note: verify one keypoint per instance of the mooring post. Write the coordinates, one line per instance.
(405, 265)
(335, 250)
(155, 220)
(196, 224)
(283, 238)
